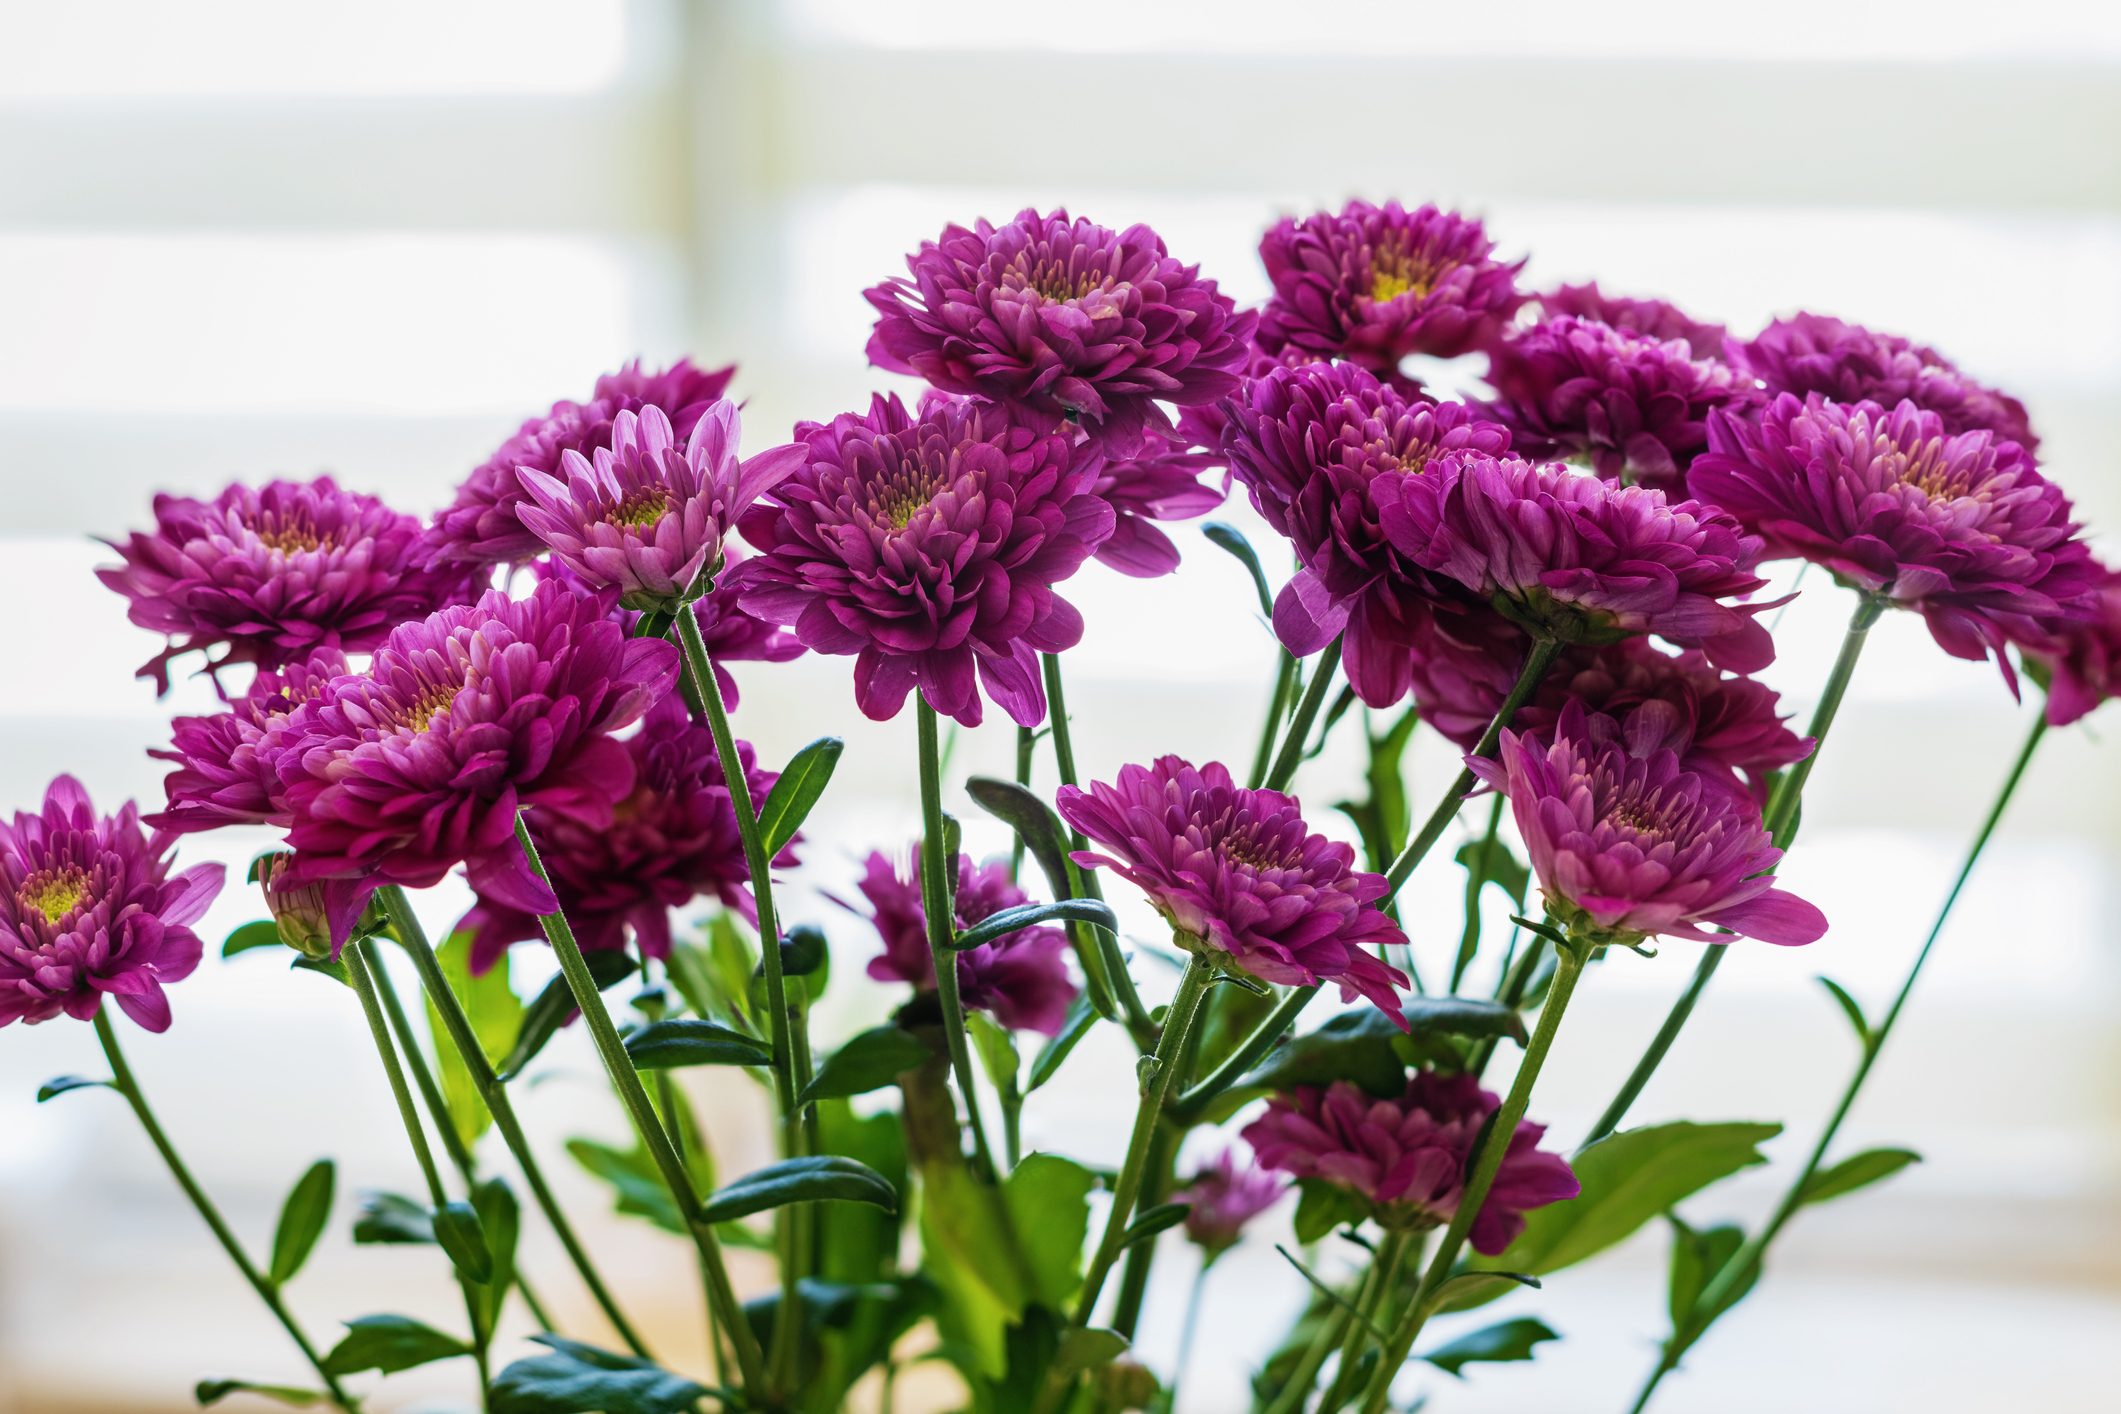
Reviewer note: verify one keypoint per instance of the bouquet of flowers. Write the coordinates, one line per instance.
(1562, 578)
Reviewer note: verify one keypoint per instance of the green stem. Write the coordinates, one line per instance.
(1781, 825)
(1285, 678)
(122, 1078)
(1026, 745)
(1296, 1390)
(1502, 1129)
(405, 924)
(1292, 743)
(1730, 1280)
(1515, 983)
(1249, 1052)
(1189, 1328)
(360, 970)
(1384, 1276)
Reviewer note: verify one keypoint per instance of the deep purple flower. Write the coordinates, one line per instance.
(1564, 553)
(2081, 659)
(673, 838)
(225, 763)
(397, 775)
(1161, 482)
(1629, 843)
(1960, 528)
(1319, 447)
(1062, 318)
(1630, 405)
(1376, 283)
(274, 573)
(929, 548)
(1653, 317)
(1237, 872)
(1021, 978)
(480, 526)
(89, 908)
(1814, 353)
(646, 516)
(1223, 1198)
(1407, 1157)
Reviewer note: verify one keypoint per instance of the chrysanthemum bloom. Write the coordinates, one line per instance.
(1318, 447)
(1160, 482)
(1814, 353)
(225, 763)
(1627, 844)
(929, 548)
(398, 775)
(1407, 1157)
(1629, 405)
(732, 634)
(1582, 560)
(1652, 317)
(1375, 283)
(673, 838)
(2082, 659)
(1237, 872)
(1961, 529)
(1062, 318)
(89, 909)
(274, 573)
(480, 526)
(1225, 1196)
(1020, 978)
(646, 516)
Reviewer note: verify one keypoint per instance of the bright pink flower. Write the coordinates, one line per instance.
(225, 763)
(2082, 658)
(1224, 1197)
(1654, 317)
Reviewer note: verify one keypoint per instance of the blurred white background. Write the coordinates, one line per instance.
(250, 237)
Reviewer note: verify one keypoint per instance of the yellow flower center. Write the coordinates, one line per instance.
(291, 536)
(1396, 271)
(640, 508)
(1053, 280)
(55, 893)
(1253, 852)
(897, 500)
(1930, 471)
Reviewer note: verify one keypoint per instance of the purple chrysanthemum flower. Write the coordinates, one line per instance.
(731, 634)
(1960, 528)
(1020, 978)
(1223, 1197)
(397, 775)
(929, 548)
(1583, 560)
(1317, 447)
(1161, 482)
(646, 516)
(1652, 317)
(276, 572)
(1627, 844)
(1238, 873)
(225, 763)
(1814, 353)
(1630, 405)
(480, 526)
(1061, 318)
(2082, 658)
(89, 909)
(671, 839)
(1407, 1157)
(1375, 283)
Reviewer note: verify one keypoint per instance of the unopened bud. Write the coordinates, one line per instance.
(297, 909)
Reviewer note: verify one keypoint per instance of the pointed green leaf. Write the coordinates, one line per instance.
(1095, 912)
(1231, 540)
(1463, 1016)
(264, 933)
(1323, 1206)
(214, 1391)
(1152, 1221)
(302, 1219)
(1509, 1340)
(67, 1084)
(997, 1051)
(1851, 1009)
(872, 1060)
(635, 1182)
(389, 1344)
(788, 803)
(1492, 861)
(457, 1229)
(1860, 1171)
(1478, 1288)
(825, 1178)
(577, 1377)
(1046, 840)
(501, 1224)
(1698, 1257)
(1048, 1198)
(1081, 1017)
(549, 1011)
(391, 1218)
(1332, 1297)
(670, 1045)
(1086, 1348)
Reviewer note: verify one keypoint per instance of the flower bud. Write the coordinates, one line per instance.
(297, 910)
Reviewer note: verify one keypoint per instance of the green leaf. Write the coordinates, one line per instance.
(1492, 861)
(1479, 1288)
(1381, 817)
(391, 1218)
(1046, 840)
(389, 1344)
(1152, 1221)
(1463, 1016)
(1231, 540)
(214, 1391)
(635, 1183)
(1354, 1045)
(1859, 1171)
(334, 968)
(1628, 1179)
(869, 1061)
(1323, 1206)
(496, 1019)
(1087, 1347)
(501, 1223)
(66, 1084)
(457, 1229)
(576, 1377)
(1049, 1200)
(302, 1219)
(715, 980)
(997, 1051)
(549, 1011)
(670, 1045)
(1851, 1009)
(1081, 1017)
(1697, 1259)
(264, 933)
(1095, 912)
(801, 783)
(825, 1178)
(1508, 1340)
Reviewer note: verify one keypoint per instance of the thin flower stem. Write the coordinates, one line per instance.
(360, 970)
(1188, 1106)
(1485, 1166)
(1296, 1390)
(1730, 1280)
(122, 1078)
(1189, 1327)
(626, 1082)
(1781, 823)
(1285, 677)
(1026, 748)
(1384, 1277)
(1292, 743)
(405, 925)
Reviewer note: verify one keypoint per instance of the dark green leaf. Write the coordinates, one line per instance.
(1851, 1009)
(869, 1061)
(262, 934)
(634, 1180)
(302, 1219)
(825, 1178)
(576, 1378)
(67, 1084)
(1228, 538)
(1086, 1348)
(549, 1011)
(1859, 1171)
(500, 1223)
(214, 1391)
(1323, 1206)
(1492, 861)
(1095, 912)
(669, 1045)
(1081, 1017)
(392, 1218)
(1354, 1045)
(1046, 840)
(457, 1229)
(997, 1050)
(1697, 1259)
(1151, 1221)
(1463, 1016)
(496, 1019)
(389, 1344)
(1509, 1340)
(1049, 1201)
(788, 803)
